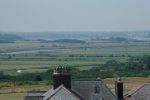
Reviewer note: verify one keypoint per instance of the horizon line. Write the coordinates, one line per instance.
(72, 31)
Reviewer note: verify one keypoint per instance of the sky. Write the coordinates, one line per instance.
(74, 15)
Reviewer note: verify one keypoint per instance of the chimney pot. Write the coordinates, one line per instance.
(61, 76)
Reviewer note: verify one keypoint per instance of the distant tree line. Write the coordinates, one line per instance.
(69, 41)
(123, 39)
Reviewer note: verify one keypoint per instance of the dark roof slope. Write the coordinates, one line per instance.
(92, 90)
(61, 93)
(80, 90)
(140, 93)
(34, 95)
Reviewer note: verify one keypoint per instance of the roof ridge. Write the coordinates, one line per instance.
(63, 87)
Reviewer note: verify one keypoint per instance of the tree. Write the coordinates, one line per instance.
(38, 78)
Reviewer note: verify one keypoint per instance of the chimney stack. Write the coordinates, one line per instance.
(119, 89)
(61, 76)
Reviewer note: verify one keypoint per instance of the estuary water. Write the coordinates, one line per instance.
(32, 51)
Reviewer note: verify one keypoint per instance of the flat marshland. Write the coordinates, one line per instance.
(15, 56)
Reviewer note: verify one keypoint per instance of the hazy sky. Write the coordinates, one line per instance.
(74, 15)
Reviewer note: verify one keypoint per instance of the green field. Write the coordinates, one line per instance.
(83, 56)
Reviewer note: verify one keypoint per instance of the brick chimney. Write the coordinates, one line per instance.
(62, 76)
(119, 89)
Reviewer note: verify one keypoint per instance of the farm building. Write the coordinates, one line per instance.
(65, 89)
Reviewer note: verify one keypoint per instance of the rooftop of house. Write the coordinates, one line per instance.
(65, 89)
(139, 93)
(61, 93)
(80, 90)
(35, 93)
(92, 89)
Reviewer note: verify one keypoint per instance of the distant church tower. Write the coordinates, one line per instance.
(62, 76)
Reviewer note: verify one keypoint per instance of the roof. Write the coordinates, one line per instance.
(92, 90)
(61, 93)
(34, 95)
(140, 93)
(80, 90)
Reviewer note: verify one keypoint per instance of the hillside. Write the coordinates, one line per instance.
(9, 38)
(136, 35)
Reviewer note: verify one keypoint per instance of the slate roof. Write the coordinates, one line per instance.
(80, 90)
(140, 93)
(61, 93)
(34, 95)
(92, 90)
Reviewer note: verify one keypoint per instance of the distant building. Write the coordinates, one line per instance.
(140, 93)
(65, 89)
